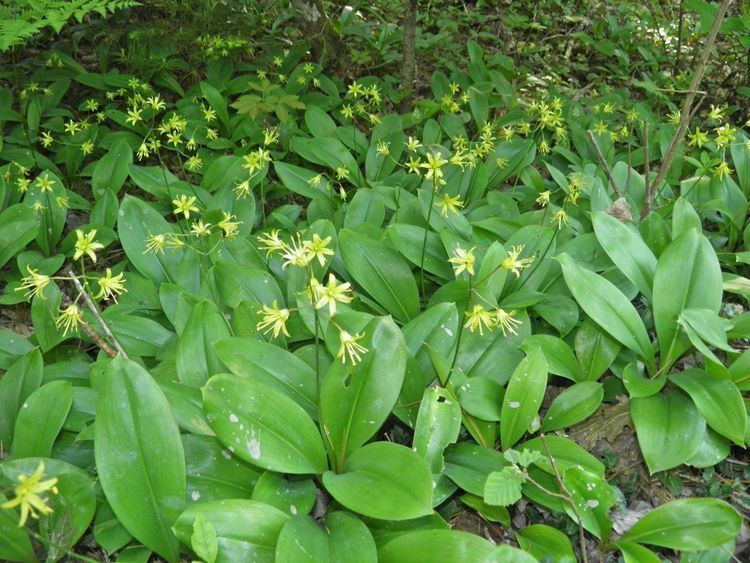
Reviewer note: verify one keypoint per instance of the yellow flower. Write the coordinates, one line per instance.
(478, 319)
(155, 102)
(544, 147)
(413, 165)
(242, 189)
(110, 286)
(69, 318)
(319, 248)
(193, 163)
(347, 111)
(716, 113)
(46, 139)
(350, 347)
(155, 244)
(208, 114)
(184, 204)
(298, 253)
(355, 90)
(505, 321)
(27, 494)
(723, 170)
(174, 139)
(561, 217)
(143, 151)
(330, 293)
(434, 162)
(412, 144)
(272, 242)
(463, 260)
(274, 320)
(449, 204)
(229, 227)
(23, 184)
(674, 117)
(383, 148)
(45, 183)
(34, 283)
(85, 245)
(342, 173)
(134, 116)
(72, 127)
(512, 262)
(543, 199)
(200, 229)
(270, 135)
(725, 135)
(600, 128)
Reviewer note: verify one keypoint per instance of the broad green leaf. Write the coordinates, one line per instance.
(203, 541)
(543, 541)
(687, 276)
(297, 180)
(435, 545)
(356, 401)
(349, 538)
(509, 554)
(196, 358)
(73, 509)
(573, 405)
(608, 307)
(636, 553)
(669, 429)
(705, 328)
(246, 530)
(237, 283)
(718, 400)
(438, 425)
(112, 169)
(595, 349)
(383, 480)
(292, 497)
(468, 465)
(381, 272)
(566, 453)
(15, 544)
(503, 487)
(139, 455)
(274, 367)
(593, 497)
(40, 419)
(523, 398)
(560, 358)
(20, 381)
(18, 227)
(638, 385)
(263, 426)
(301, 539)
(408, 240)
(691, 524)
(624, 245)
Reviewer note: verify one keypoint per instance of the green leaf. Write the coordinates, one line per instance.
(560, 358)
(216, 101)
(139, 455)
(543, 541)
(302, 540)
(523, 398)
(468, 465)
(624, 245)
(290, 496)
(435, 545)
(263, 426)
(503, 487)
(20, 381)
(608, 307)
(509, 554)
(408, 241)
(638, 385)
(196, 359)
(246, 530)
(112, 169)
(73, 509)
(274, 367)
(40, 419)
(356, 401)
(349, 539)
(593, 497)
(718, 400)
(687, 276)
(438, 425)
(18, 227)
(15, 544)
(690, 524)
(669, 429)
(573, 405)
(203, 541)
(595, 349)
(383, 480)
(381, 272)
(705, 328)
(635, 553)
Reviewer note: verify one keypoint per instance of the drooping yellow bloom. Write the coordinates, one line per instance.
(87, 147)
(69, 318)
(85, 244)
(185, 205)
(698, 138)
(513, 264)
(350, 347)
(46, 139)
(600, 128)
(27, 495)
(412, 144)
(155, 244)
(330, 293)
(274, 320)
(413, 165)
(230, 227)
(383, 148)
(505, 321)
(723, 170)
(561, 218)
(44, 183)
(342, 173)
(449, 204)
(297, 254)
(270, 135)
(272, 243)
(478, 319)
(543, 199)
(110, 286)
(200, 229)
(319, 248)
(463, 260)
(435, 161)
(34, 283)
(194, 163)
(716, 113)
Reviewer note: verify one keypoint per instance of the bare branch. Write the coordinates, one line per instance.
(603, 163)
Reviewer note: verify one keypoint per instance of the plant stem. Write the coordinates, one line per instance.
(424, 241)
(458, 339)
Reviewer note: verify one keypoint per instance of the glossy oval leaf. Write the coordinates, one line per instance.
(523, 398)
(263, 426)
(40, 418)
(435, 545)
(196, 358)
(573, 405)
(139, 455)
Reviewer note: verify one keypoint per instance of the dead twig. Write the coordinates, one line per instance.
(687, 104)
(91, 306)
(603, 163)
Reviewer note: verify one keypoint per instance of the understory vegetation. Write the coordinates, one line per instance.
(307, 281)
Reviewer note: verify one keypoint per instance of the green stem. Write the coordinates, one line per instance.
(424, 241)
(458, 339)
